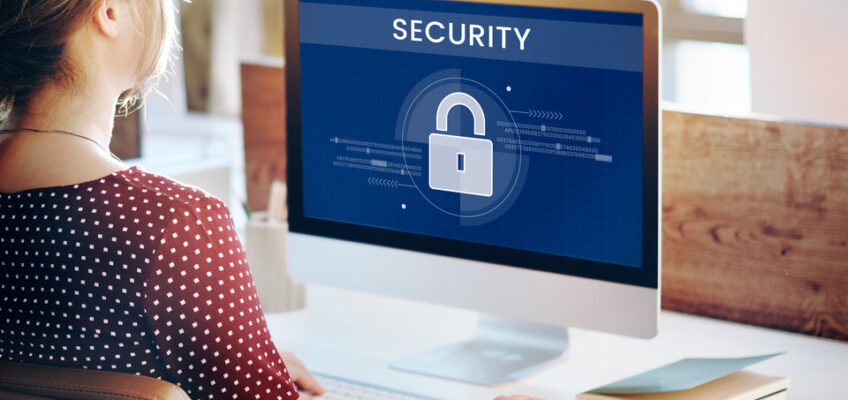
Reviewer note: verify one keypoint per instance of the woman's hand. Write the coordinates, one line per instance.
(516, 397)
(301, 376)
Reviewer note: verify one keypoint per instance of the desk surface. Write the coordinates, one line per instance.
(354, 335)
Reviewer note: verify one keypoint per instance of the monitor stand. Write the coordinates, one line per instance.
(502, 350)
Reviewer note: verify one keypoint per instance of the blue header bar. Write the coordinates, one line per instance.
(540, 41)
(499, 10)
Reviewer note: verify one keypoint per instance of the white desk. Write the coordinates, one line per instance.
(354, 335)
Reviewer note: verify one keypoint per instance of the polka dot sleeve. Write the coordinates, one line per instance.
(204, 313)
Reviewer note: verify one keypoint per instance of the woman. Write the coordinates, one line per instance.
(104, 266)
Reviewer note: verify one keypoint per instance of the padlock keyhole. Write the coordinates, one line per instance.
(460, 162)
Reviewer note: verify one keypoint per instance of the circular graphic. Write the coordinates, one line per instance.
(471, 168)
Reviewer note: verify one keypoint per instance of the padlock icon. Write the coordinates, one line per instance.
(461, 164)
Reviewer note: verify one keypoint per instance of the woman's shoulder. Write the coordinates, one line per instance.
(152, 187)
(131, 185)
(177, 209)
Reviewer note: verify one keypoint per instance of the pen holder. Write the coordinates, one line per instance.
(267, 252)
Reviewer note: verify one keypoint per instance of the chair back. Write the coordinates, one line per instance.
(21, 381)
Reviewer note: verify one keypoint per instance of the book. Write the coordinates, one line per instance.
(739, 385)
(697, 379)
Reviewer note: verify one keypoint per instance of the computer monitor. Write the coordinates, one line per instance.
(497, 157)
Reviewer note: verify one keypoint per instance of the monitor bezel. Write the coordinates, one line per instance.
(645, 276)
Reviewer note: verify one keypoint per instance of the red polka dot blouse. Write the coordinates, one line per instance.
(134, 273)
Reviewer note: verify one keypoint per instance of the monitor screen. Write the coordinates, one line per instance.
(504, 133)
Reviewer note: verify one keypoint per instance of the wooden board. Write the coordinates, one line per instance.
(755, 222)
(126, 136)
(264, 117)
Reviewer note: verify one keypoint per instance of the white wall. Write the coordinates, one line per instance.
(237, 33)
(799, 59)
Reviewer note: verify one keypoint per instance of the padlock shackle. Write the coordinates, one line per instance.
(461, 99)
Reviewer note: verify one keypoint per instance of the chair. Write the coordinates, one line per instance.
(19, 381)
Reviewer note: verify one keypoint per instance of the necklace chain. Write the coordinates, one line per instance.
(54, 131)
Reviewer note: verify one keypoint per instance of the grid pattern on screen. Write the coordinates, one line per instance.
(323, 184)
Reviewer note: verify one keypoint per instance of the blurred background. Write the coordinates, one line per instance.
(782, 58)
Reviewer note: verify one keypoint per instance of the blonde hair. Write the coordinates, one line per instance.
(157, 53)
(34, 35)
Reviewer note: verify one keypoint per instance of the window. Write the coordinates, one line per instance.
(706, 65)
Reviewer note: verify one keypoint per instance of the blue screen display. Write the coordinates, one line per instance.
(511, 126)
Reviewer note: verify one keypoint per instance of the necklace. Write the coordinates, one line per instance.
(54, 131)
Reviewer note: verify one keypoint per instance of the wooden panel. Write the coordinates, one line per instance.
(196, 40)
(755, 222)
(264, 117)
(126, 137)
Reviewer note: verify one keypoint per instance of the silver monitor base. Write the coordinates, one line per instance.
(502, 350)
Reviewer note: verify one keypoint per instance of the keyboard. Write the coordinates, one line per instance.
(342, 389)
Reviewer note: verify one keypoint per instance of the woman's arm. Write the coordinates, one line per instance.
(204, 313)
